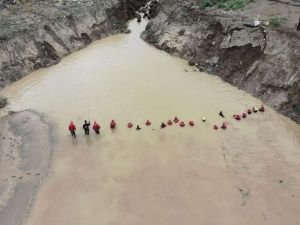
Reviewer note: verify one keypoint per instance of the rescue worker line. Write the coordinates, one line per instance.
(113, 124)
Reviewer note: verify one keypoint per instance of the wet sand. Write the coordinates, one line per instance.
(25, 155)
(248, 174)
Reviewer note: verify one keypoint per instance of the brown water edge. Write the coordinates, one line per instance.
(248, 174)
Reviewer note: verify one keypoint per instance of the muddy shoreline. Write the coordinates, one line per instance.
(260, 60)
(26, 150)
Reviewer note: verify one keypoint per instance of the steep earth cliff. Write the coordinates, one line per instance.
(259, 59)
(35, 34)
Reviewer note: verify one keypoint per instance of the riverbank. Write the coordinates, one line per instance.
(37, 34)
(25, 157)
(260, 60)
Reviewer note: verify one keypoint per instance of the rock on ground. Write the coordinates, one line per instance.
(3, 102)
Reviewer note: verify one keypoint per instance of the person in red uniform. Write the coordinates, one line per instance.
(96, 127)
(262, 108)
(237, 117)
(224, 126)
(113, 124)
(176, 120)
(72, 129)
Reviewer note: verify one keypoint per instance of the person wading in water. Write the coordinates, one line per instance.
(72, 129)
(221, 114)
(96, 127)
(86, 127)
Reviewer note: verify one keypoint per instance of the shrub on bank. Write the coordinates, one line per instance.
(207, 3)
(226, 4)
(275, 21)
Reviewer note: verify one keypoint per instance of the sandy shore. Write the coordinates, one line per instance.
(25, 155)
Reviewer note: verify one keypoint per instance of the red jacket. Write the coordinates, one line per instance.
(72, 127)
(96, 126)
(113, 124)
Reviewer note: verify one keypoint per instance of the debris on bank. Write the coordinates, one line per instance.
(3, 102)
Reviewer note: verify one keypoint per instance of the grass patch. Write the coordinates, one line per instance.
(226, 4)
(275, 22)
(207, 3)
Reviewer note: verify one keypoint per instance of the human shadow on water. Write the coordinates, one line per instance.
(113, 130)
(88, 140)
(97, 136)
(74, 141)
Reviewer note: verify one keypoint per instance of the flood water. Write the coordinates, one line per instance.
(191, 175)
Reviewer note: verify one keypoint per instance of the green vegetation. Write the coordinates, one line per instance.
(207, 3)
(275, 21)
(226, 4)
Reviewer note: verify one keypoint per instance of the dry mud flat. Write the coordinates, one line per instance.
(25, 154)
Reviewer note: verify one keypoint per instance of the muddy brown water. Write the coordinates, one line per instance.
(248, 174)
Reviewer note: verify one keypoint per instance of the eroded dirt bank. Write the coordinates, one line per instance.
(261, 60)
(36, 34)
(26, 143)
